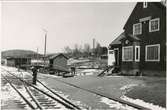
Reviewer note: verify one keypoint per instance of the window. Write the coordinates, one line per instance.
(137, 53)
(137, 29)
(154, 25)
(144, 4)
(127, 53)
(111, 52)
(152, 52)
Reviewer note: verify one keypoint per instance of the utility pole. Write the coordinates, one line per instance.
(45, 46)
(93, 52)
(37, 57)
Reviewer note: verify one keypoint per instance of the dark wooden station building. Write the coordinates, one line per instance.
(141, 48)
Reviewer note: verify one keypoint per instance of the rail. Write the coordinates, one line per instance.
(65, 102)
(111, 97)
(21, 95)
(100, 94)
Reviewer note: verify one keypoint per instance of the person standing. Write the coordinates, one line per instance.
(34, 70)
(73, 70)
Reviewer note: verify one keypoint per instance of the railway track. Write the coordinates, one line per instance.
(38, 98)
(111, 98)
(99, 94)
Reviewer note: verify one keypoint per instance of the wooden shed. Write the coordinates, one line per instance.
(58, 62)
(18, 61)
(141, 48)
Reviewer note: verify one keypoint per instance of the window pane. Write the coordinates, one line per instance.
(152, 53)
(128, 53)
(154, 24)
(137, 28)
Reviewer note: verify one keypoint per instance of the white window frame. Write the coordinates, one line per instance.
(140, 29)
(150, 25)
(123, 53)
(137, 60)
(145, 4)
(157, 60)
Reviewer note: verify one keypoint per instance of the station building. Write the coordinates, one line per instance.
(141, 48)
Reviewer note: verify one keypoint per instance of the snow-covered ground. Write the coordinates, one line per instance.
(129, 87)
(119, 106)
(116, 105)
(125, 88)
(74, 61)
(142, 103)
(8, 93)
(87, 72)
(14, 70)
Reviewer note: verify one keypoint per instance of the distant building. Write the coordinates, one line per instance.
(18, 57)
(141, 48)
(17, 61)
(58, 62)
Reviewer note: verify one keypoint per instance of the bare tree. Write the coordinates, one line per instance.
(98, 50)
(86, 49)
(67, 49)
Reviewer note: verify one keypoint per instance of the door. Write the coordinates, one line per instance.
(111, 57)
(116, 53)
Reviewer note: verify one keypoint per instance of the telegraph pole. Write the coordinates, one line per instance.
(37, 58)
(93, 46)
(93, 52)
(45, 46)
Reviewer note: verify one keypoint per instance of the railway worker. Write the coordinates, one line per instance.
(34, 70)
(73, 70)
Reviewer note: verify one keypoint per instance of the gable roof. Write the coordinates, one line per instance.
(160, 5)
(117, 40)
(56, 55)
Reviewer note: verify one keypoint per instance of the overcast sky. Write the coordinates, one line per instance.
(67, 24)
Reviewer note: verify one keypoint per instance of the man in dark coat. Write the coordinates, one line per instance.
(73, 70)
(34, 70)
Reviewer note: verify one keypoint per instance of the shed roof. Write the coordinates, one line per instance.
(132, 37)
(56, 55)
(117, 40)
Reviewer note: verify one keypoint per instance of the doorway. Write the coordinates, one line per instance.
(116, 53)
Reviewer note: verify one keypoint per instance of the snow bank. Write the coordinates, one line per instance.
(48, 75)
(90, 70)
(142, 103)
(87, 72)
(129, 86)
(6, 94)
(116, 105)
(15, 71)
